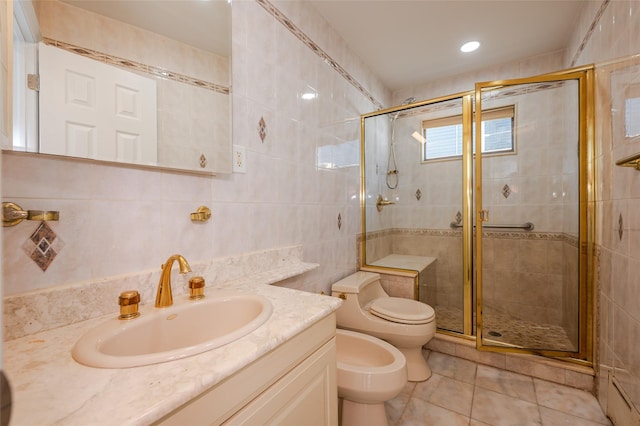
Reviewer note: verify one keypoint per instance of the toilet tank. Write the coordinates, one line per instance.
(366, 285)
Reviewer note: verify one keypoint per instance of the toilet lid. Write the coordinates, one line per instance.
(405, 311)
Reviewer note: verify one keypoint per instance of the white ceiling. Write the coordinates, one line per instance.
(406, 43)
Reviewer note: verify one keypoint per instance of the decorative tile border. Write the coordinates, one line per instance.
(502, 93)
(587, 36)
(276, 13)
(516, 235)
(136, 66)
(300, 35)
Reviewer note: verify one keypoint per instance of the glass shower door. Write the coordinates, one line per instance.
(530, 215)
(422, 216)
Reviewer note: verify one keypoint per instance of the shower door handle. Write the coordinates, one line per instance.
(484, 215)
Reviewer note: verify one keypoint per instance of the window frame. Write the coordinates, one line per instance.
(489, 114)
(632, 92)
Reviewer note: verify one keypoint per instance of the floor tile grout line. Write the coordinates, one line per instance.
(404, 410)
(535, 382)
(473, 397)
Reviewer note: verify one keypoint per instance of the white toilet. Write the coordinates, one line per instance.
(370, 372)
(406, 324)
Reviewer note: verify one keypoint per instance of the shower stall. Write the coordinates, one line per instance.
(493, 195)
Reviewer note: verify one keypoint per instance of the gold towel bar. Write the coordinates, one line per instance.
(12, 214)
(631, 161)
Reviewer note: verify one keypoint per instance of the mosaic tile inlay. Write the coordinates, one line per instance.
(502, 328)
(339, 221)
(418, 194)
(43, 246)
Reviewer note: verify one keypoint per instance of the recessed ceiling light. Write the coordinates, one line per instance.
(470, 46)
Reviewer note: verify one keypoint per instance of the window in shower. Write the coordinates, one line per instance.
(632, 111)
(443, 136)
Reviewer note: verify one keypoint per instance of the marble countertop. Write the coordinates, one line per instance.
(49, 387)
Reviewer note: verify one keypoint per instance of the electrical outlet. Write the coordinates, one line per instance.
(239, 159)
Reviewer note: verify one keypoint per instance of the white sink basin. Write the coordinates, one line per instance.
(184, 329)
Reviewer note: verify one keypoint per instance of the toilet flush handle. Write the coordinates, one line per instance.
(342, 296)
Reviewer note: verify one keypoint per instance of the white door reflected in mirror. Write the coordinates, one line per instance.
(190, 66)
(92, 110)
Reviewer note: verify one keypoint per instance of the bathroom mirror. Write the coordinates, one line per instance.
(178, 49)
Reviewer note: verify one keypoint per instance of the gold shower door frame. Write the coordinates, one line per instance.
(584, 77)
(471, 216)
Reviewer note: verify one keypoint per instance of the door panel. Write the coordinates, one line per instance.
(530, 215)
(107, 114)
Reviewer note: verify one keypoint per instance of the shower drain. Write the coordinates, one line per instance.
(495, 334)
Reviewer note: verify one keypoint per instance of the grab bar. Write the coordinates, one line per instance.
(526, 226)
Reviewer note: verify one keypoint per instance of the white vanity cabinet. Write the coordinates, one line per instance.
(294, 384)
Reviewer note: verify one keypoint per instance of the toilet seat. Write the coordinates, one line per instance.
(404, 311)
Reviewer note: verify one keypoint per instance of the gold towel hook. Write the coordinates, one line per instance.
(203, 214)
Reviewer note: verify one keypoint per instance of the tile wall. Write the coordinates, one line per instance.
(541, 182)
(608, 31)
(120, 220)
(111, 226)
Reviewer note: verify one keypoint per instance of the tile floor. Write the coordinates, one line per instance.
(461, 392)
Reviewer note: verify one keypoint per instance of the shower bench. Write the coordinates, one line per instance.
(408, 276)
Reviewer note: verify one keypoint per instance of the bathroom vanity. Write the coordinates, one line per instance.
(282, 372)
(290, 385)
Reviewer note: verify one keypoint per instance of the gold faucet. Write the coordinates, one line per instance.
(164, 297)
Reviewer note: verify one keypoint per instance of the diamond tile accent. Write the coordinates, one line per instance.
(506, 191)
(43, 246)
(620, 230)
(262, 129)
(339, 221)
(203, 161)
(458, 217)
(418, 194)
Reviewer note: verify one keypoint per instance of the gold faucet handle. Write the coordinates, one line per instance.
(196, 288)
(128, 302)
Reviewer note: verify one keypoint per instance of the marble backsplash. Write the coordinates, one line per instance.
(45, 309)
